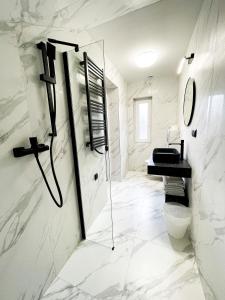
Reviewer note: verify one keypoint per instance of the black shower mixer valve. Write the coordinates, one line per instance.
(34, 149)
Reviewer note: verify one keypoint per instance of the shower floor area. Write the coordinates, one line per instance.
(146, 264)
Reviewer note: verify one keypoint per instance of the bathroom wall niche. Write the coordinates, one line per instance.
(189, 101)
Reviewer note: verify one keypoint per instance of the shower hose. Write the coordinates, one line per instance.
(60, 202)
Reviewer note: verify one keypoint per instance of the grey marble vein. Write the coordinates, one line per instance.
(11, 224)
(9, 104)
(5, 135)
(131, 271)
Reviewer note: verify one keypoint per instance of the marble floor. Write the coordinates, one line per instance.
(146, 263)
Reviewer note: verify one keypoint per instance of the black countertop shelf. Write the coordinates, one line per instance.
(181, 169)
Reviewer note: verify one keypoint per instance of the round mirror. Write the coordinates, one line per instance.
(189, 101)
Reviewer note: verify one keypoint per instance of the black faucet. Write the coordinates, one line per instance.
(181, 148)
(34, 149)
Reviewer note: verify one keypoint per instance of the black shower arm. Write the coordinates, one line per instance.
(54, 41)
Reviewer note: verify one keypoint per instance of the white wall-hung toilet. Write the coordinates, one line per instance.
(177, 218)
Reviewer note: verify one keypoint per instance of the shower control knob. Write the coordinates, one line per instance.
(34, 149)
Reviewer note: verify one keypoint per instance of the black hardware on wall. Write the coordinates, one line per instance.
(74, 143)
(96, 104)
(190, 58)
(48, 56)
(34, 149)
(54, 41)
(194, 133)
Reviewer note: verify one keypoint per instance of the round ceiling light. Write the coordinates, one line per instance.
(146, 59)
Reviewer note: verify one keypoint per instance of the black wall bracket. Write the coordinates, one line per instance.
(76, 46)
(190, 58)
(194, 133)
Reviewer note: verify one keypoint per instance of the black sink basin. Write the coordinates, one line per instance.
(166, 155)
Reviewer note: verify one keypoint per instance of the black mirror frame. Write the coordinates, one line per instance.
(193, 101)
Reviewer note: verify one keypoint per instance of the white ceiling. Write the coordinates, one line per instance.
(165, 27)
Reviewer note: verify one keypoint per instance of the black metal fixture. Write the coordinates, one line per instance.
(194, 133)
(34, 149)
(181, 148)
(190, 58)
(54, 41)
(74, 143)
(96, 104)
(189, 101)
(48, 56)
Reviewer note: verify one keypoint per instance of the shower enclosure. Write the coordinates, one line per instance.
(91, 167)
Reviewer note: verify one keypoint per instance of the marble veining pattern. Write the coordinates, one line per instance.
(146, 264)
(114, 133)
(206, 153)
(29, 221)
(94, 195)
(163, 91)
(79, 14)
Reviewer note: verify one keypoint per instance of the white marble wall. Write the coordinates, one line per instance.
(94, 192)
(36, 238)
(116, 78)
(114, 133)
(206, 153)
(71, 14)
(163, 91)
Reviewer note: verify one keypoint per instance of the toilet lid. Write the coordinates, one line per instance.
(177, 210)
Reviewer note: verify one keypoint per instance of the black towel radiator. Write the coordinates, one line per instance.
(96, 104)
